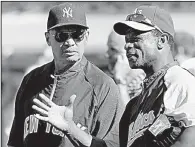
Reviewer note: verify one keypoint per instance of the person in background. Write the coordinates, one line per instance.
(46, 57)
(8, 88)
(71, 84)
(184, 51)
(115, 44)
(120, 70)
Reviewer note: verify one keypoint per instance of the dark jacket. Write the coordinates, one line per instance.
(96, 108)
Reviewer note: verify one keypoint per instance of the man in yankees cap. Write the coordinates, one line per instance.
(163, 115)
(69, 101)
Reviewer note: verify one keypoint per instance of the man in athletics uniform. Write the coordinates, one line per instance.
(163, 114)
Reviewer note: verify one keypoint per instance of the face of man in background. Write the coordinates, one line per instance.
(67, 43)
(141, 48)
(184, 46)
(115, 45)
(112, 57)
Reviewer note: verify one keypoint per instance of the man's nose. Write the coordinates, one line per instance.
(128, 46)
(106, 54)
(109, 53)
(69, 42)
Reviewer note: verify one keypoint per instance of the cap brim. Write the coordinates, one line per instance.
(68, 24)
(122, 27)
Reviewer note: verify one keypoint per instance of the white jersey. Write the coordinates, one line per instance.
(179, 99)
(167, 100)
(189, 65)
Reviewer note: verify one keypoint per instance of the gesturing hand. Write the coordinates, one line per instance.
(59, 116)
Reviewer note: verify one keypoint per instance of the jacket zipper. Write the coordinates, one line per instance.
(54, 87)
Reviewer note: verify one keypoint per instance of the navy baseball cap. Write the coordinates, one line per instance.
(146, 18)
(66, 14)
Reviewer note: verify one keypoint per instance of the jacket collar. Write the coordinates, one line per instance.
(75, 68)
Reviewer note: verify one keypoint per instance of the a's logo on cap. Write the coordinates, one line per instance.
(67, 12)
(137, 11)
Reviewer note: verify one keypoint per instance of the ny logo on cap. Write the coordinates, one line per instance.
(137, 11)
(67, 12)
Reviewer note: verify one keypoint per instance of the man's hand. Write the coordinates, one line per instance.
(59, 116)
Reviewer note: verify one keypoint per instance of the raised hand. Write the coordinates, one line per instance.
(59, 116)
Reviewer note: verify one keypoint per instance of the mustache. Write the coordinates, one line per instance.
(132, 52)
(66, 45)
(69, 49)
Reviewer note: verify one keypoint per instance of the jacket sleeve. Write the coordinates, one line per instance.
(108, 117)
(16, 134)
(179, 101)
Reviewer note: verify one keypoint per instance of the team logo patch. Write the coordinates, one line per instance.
(67, 12)
(137, 11)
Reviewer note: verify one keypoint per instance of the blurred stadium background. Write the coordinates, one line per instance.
(23, 42)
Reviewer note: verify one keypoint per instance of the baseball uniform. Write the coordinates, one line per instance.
(96, 108)
(167, 101)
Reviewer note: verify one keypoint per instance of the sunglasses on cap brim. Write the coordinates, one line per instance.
(62, 36)
(142, 19)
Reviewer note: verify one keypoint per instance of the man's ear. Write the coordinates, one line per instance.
(87, 35)
(47, 38)
(162, 41)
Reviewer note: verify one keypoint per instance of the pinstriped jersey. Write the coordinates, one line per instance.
(170, 91)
